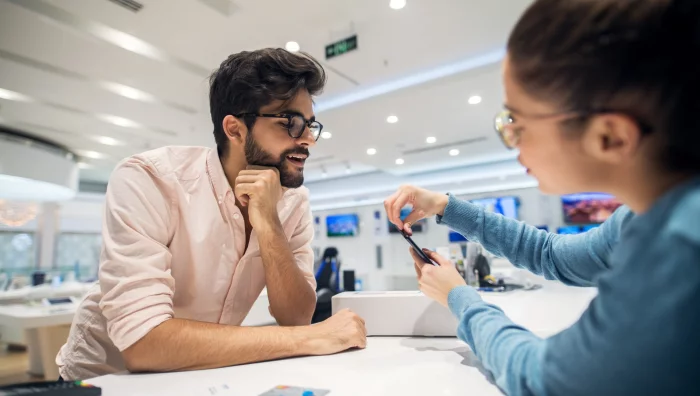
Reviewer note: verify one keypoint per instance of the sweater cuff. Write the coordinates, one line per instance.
(459, 212)
(460, 298)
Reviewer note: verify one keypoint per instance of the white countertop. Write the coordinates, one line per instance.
(27, 316)
(389, 365)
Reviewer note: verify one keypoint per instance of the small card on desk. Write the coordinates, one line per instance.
(284, 390)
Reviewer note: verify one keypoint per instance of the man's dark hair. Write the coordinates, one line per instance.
(636, 57)
(247, 81)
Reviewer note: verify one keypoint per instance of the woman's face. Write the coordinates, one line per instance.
(555, 157)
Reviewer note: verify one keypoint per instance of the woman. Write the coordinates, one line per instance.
(600, 96)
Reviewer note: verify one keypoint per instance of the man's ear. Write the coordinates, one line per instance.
(612, 138)
(235, 129)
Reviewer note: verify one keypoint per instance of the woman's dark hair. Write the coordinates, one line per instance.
(247, 81)
(636, 57)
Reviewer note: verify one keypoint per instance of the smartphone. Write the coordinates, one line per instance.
(418, 250)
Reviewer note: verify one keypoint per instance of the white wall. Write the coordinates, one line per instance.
(359, 253)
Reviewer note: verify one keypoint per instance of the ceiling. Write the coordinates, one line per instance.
(108, 82)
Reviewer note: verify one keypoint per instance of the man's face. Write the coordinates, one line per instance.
(269, 144)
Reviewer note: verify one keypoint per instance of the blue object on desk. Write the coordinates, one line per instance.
(492, 289)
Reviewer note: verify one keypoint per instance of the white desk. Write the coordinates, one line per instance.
(46, 330)
(389, 366)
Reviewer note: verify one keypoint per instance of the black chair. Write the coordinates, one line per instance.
(327, 284)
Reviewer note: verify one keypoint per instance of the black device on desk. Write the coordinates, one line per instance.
(418, 250)
(68, 388)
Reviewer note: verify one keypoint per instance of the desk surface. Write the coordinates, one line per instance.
(389, 365)
(27, 316)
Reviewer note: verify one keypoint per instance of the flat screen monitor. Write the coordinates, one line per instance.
(456, 237)
(346, 225)
(588, 208)
(506, 206)
(570, 230)
(590, 227)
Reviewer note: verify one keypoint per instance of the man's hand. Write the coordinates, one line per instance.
(260, 190)
(436, 282)
(338, 333)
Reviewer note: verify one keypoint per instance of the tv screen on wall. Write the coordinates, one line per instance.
(588, 208)
(506, 206)
(346, 225)
(570, 230)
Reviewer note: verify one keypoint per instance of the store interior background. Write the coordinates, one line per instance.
(414, 104)
(419, 94)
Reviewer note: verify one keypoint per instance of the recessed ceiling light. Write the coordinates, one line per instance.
(106, 140)
(90, 154)
(12, 95)
(476, 99)
(119, 121)
(397, 4)
(399, 161)
(454, 152)
(326, 135)
(392, 119)
(127, 91)
(371, 151)
(431, 140)
(292, 46)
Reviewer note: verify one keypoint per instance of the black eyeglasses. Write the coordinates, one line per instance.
(296, 124)
(504, 120)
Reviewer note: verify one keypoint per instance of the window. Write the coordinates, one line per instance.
(17, 252)
(80, 253)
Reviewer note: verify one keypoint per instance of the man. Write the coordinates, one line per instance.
(192, 235)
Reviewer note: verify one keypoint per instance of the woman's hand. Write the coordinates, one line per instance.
(436, 282)
(425, 204)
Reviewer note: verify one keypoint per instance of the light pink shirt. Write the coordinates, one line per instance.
(174, 247)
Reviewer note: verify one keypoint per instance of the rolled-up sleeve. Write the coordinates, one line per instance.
(135, 280)
(300, 244)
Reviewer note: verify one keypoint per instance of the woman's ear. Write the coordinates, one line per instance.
(612, 138)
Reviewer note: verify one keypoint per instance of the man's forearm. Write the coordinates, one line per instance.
(292, 300)
(179, 344)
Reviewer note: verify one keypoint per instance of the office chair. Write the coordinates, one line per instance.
(327, 284)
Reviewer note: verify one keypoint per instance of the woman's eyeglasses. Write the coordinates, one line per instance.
(510, 135)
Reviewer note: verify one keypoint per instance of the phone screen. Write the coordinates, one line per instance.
(417, 249)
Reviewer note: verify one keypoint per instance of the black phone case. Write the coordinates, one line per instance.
(418, 250)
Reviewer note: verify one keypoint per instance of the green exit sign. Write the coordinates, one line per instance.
(341, 47)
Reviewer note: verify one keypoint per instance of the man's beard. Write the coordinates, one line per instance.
(256, 155)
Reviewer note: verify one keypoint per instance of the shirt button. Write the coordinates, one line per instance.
(236, 216)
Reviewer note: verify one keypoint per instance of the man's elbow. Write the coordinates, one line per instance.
(135, 360)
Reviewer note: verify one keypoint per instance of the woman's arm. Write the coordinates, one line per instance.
(572, 259)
